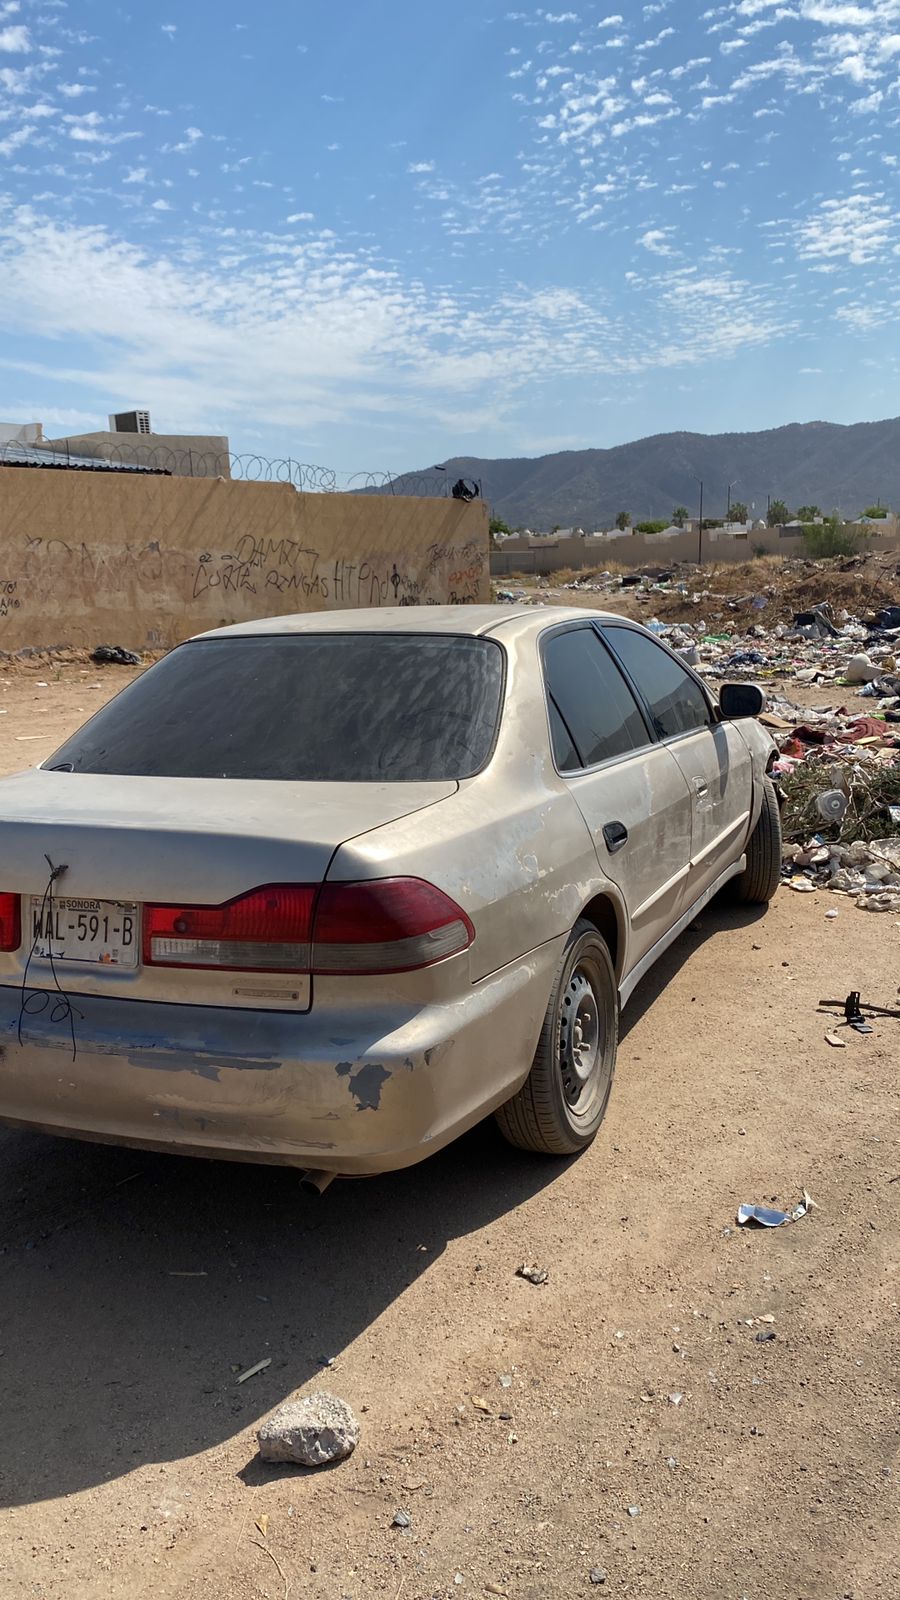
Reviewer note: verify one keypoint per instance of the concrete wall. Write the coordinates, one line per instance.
(544, 556)
(88, 558)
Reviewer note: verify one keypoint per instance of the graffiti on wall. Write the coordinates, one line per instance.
(106, 568)
(9, 597)
(287, 567)
(261, 567)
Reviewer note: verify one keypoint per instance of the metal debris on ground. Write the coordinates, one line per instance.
(532, 1274)
(854, 1016)
(768, 1217)
(401, 1519)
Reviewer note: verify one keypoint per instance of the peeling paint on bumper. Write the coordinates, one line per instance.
(276, 1087)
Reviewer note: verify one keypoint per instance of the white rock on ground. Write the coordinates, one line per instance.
(310, 1432)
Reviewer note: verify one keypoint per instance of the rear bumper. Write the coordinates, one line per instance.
(346, 1091)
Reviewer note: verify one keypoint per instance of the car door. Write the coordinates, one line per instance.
(629, 787)
(712, 755)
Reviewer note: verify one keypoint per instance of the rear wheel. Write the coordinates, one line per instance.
(762, 874)
(562, 1102)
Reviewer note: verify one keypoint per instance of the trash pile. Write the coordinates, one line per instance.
(816, 648)
(839, 774)
(838, 769)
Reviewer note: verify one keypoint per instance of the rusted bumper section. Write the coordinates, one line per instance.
(349, 1090)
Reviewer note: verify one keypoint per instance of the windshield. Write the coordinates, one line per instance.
(330, 708)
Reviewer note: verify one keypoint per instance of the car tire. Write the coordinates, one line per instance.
(762, 874)
(561, 1104)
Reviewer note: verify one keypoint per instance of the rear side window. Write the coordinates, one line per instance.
(676, 701)
(333, 708)
(593, 714)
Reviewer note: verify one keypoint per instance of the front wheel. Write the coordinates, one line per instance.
(563, 1100)
(762, 874)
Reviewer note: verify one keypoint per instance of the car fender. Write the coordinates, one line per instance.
(763, 751)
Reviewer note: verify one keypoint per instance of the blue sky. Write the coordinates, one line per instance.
(377, 236)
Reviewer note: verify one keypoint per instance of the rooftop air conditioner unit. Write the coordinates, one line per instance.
(129, 422)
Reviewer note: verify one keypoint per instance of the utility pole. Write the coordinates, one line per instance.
(700, 528)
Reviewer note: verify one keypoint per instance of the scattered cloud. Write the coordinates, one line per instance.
(16, 40)
(858, 228)
(656, 240)
(585, 231)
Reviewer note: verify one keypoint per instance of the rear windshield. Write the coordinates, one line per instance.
(332, 708)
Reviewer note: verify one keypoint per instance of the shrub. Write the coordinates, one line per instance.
(833, 538)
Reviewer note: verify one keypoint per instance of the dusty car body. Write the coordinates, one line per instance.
(344, 972)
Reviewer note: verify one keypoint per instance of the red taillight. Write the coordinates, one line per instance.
(10, 922)
(264, 931)
(386, 925)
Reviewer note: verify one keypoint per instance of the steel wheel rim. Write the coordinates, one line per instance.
(581, 1046)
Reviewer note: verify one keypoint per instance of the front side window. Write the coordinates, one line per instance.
(593, 714)
(676, 701)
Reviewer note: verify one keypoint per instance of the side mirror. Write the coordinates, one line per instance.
(741, 700)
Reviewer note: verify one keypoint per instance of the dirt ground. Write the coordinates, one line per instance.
(530, 1433)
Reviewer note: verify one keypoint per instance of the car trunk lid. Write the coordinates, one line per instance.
(178, 841)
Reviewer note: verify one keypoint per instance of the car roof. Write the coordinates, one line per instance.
(415, 619)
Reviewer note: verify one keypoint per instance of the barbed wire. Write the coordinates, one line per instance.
(251, 467)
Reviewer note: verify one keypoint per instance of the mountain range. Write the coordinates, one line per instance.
(823, 463)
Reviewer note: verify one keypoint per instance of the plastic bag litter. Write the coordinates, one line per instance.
(768, 1217)
(879, 902)
(861, 669)
(115, 655)
(848, 882)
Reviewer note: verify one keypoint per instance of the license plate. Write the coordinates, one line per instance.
(104, 932)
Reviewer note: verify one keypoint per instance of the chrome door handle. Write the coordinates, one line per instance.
(701, 787)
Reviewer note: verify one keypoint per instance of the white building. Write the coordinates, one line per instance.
(21, 433)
